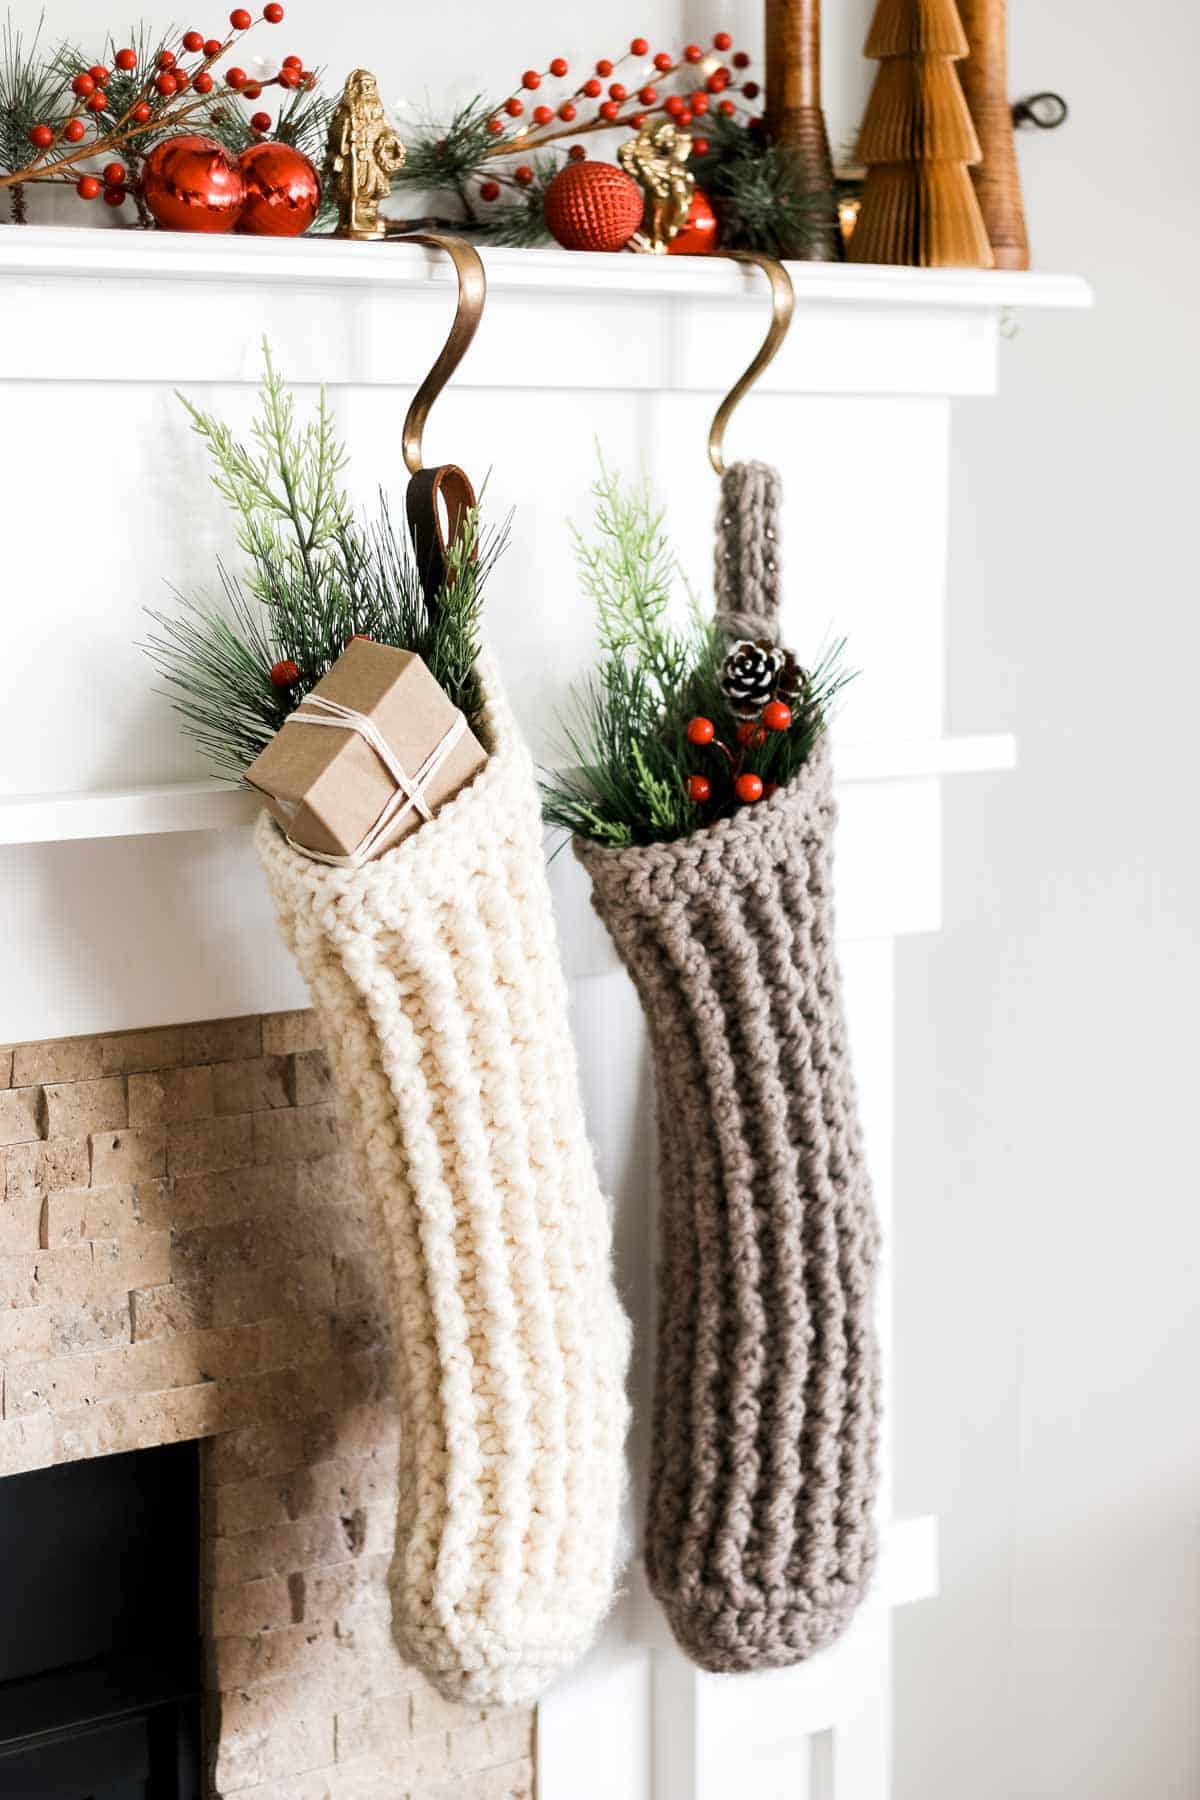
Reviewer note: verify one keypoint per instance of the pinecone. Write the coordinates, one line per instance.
(793, 680)
(748, 675)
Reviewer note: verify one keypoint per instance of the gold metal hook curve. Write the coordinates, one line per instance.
(472, 293)
(783, 301)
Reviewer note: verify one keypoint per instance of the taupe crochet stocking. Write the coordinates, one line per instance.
(759, 1538)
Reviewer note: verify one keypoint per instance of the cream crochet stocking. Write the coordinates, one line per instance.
(435, 973)
(759, 1535)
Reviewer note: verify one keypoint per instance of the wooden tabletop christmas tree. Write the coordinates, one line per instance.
(918, 142)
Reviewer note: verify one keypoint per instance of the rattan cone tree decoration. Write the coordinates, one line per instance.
(918, 143)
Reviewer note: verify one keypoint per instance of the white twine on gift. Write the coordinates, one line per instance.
(410, 789)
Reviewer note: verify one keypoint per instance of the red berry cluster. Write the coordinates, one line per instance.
(158, 90)
(751, 735)
(703, 79)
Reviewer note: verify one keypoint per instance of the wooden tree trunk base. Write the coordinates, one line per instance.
(802, 135)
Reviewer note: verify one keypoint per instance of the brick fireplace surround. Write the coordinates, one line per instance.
(186, 1252)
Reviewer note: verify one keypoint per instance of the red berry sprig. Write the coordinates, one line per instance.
(751, 734)
(94, 126)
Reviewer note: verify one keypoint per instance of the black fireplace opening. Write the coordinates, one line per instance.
(100, 1655)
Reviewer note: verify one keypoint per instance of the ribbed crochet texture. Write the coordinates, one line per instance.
(759, 1537)
(435, 973)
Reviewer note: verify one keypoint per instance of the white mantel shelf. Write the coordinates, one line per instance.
(221, 806)
(48, 251)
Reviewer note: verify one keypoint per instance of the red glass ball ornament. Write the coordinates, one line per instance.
(74, 131)
(593, 206)
(113, 174)
(273, 13)
(489, 190)
(531, 79)
(114, 196)
(693, 53)
(542, 115)
(98, 101)
(191, 183)
(285, 674)
(83, 85)
(87, 187)
(700, 731)
(212, 46)
(126, 59)
(41, 137)
(283, 191)
(240, 19)
(99, 74)
(560, 67)
(566, 111)
(639, 47)
(662, 62)
(699, 234)
(777, 715)
(166, 83)
(193, 41)
(722, 41)
(203, 83)
(699, 787)
(748, 789)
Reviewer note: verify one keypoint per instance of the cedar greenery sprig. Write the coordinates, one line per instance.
(758, 193)
(33, 87)
(626, 736)
(314, 578)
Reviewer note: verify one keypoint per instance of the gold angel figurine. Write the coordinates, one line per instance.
(362, 155)
(657, 160)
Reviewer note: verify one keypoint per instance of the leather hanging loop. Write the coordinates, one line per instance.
(783, 300)
(428, 492)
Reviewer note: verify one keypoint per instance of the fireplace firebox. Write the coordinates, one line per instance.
(100, 1663)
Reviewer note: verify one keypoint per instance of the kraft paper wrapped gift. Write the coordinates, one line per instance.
(375, 725)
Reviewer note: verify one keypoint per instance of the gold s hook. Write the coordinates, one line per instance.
(472, 292)
(783, 299)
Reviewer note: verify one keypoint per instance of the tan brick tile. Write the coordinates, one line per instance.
(500, 1737)
(64, 1275)
(269, 1447)
(331, 1180)
(138, 1422)
(295, 1340)
(40, 1168)
(64, 1059)
(255, 1084)
(26, 1334)
(431, 1713)
(312, 1078)
(385, 1728)
(76, 1215)
(77, 1108)
(284, 1033)
(244, 1295)
(326, 1592)
(162, 1363)
(314, 1784)
(514, 1781)
(170, 1308)
(197, 1146)
(138, 1154)
(368, 1431)
(20, 1224)
(222, 1040)
(249, 1607)
(292, 1650)
(374, 1778)
(21, 1115)
(214, 1040)
(169, 1095)
(279, 1550)
(296, 1135)
(298, 1741)
(94, 1325)
(333, 1488)
(209, 1250)
(358, 1284)
(154, 1203)
(215, 1198)
(6, 1066)
(137, 1259)
(57, 1385)
(26, 1444)
(361, 1330)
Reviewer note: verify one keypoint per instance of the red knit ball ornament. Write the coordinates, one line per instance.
(699, 235)
(748, 788)
(191, 183)
(285, 674)
(283, 191)
(593, 206)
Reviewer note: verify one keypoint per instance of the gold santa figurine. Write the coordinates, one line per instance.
(657, 160)
(362, 155)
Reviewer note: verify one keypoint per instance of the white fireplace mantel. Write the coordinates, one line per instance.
(127, 880)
